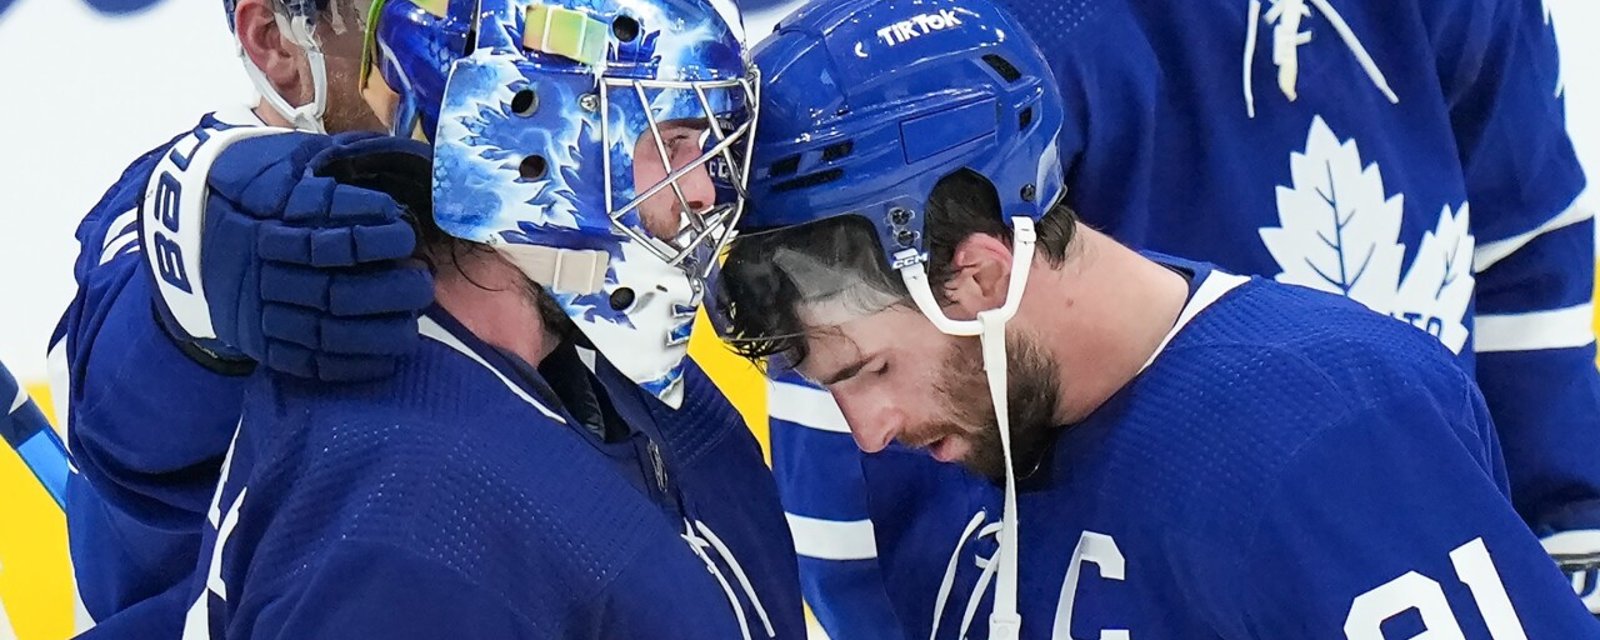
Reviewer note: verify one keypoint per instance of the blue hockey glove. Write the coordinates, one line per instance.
(265, 247)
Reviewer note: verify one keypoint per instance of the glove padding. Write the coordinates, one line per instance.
(307, 272)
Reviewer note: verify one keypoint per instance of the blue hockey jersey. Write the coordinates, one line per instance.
(1365, 499)
(151, 419)
(471, 495)
(1412, 156)
(1220, 130)
(147, 421)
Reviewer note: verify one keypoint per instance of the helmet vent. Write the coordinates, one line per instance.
(838, 150)
(785, 167)
(625, 28)
(815, 179)
(1002, 66)
(533, 167)
(525, 102)
(1024, 119)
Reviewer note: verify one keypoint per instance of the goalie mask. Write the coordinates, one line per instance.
(597, 144)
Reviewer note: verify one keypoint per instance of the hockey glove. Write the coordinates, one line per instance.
(264, 248)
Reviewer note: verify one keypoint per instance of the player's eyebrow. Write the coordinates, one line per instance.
(841, 375)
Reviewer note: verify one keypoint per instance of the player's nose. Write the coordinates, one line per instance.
(873, 424)
(698, 189)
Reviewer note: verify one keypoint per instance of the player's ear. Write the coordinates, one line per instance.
(982, 268)
(271, 49)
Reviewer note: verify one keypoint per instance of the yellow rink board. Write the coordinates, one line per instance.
(35, 585)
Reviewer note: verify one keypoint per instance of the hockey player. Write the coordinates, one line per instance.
(628, 476)
(152, 387)
(1236, 458)
(1167, 149)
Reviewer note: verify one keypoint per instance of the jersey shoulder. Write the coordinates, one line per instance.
(1293, 337)
(1259, 378)
(114, 216)
(447, 462)
(703, 422)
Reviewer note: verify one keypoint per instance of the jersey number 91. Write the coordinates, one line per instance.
(1416, 591)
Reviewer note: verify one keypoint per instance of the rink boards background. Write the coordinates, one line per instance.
(90, 84)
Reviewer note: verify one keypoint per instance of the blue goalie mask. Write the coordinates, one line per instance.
(598, 145)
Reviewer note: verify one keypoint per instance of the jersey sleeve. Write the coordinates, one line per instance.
(1389, 524)
(365, 589)
(147, 450)
(820, 481)
(1535, 256)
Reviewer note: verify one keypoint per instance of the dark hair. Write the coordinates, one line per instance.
(760, 299)
(408, 179)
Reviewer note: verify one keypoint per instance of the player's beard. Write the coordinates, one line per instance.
(1033, 382)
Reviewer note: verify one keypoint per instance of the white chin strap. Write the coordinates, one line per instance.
(990, 327)
(307, 117)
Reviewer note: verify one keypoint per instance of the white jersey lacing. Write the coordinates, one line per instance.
(1285, 16)
(703, 539)
(988, 565)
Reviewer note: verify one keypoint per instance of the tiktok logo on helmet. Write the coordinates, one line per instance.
(918, 26)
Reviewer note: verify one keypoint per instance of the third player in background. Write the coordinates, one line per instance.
(1410, 155)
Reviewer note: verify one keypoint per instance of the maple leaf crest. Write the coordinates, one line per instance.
(1339, 232)
(1438, 286)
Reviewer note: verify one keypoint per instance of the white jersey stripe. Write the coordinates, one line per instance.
(805, 406)
(1555, 329)
(118, 248)
(122, 229)
(1489, 253)
(832, 539)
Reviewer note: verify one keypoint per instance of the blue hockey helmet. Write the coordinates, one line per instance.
(867, 104)
(599, 145)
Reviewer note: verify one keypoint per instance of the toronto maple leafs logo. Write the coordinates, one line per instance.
(1340, 233)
